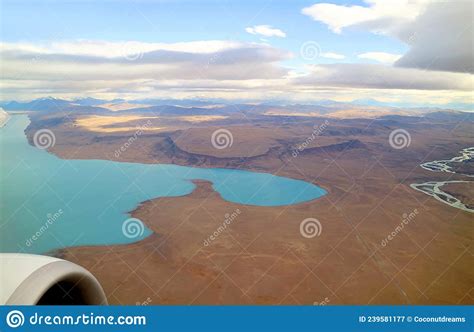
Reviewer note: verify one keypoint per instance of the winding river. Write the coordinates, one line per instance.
(434, 188)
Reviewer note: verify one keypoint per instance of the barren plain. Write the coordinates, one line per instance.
(362, 256)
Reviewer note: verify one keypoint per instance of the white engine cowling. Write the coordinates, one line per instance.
(33, 279)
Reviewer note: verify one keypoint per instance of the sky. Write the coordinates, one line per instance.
(395, 51)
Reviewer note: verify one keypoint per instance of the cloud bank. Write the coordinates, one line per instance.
(377, 76)
(439, 33)
(437, 66)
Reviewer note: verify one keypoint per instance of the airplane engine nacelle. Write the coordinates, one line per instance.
(34, 279)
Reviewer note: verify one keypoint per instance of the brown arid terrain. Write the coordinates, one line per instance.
(463, 191)
(381, 242)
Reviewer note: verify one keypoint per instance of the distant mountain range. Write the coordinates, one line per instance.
(356, 108)
(42, 104)
(52, 104)
(453, 106)
(94, 102)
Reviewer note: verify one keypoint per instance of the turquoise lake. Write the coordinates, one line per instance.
(87, 201)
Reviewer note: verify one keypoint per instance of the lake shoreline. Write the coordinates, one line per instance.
(262, 249)
(47, 184)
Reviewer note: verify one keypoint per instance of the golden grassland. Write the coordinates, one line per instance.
(103, 124)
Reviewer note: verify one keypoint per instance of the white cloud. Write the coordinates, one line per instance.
(377, 76)
(439, 33)
(106, 49)
(98, 60)
(382, 57)
(380, 16)
(331, 55)
(265, 30)
(441, 38)
(203, 69)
